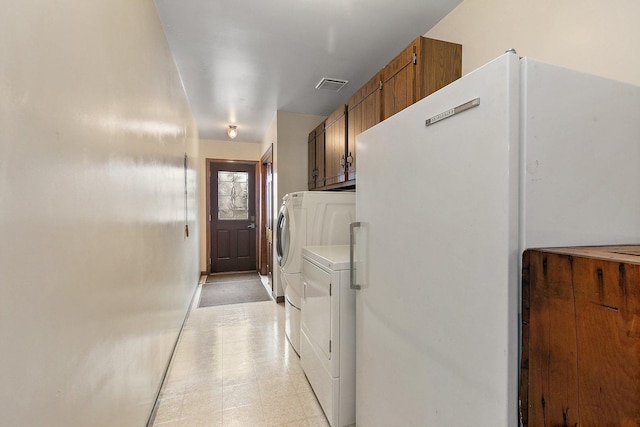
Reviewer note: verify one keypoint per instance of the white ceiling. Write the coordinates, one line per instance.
(243, 60)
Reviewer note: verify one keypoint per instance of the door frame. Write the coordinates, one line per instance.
(208, 193)
(265, 259)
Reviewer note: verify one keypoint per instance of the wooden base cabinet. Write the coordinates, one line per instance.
(581, 337)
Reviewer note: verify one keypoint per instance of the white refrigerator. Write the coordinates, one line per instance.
(535, 155)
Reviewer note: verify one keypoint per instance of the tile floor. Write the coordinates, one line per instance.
(234, 367)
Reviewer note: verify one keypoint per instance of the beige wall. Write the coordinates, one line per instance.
(219, 150)
(290, 172)
(96, 273)
(588, 35)
(271, 135)
(289, 134)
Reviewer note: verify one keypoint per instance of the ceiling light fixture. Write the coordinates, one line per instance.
(232, 131)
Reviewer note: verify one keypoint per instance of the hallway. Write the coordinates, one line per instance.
(233, 366)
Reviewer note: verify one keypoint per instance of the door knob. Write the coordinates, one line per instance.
(252, 225)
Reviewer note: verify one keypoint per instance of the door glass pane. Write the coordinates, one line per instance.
(233, 195)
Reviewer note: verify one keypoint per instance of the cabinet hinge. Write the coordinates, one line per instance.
(209, 217)
(415, 58)
(329, 346)
(380, 85)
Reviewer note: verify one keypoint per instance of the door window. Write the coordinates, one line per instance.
(233, 195)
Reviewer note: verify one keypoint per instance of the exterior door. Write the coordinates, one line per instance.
(233, 216)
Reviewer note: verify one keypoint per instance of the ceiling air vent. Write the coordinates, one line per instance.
(333, 85)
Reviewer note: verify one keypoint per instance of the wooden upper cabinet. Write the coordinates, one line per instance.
(335, 147)
(423, 67)
(441, 64)
(319, 156)
(363, 111)
(399, 82)
(311, 156)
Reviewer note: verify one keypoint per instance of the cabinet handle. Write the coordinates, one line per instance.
(342, 160)
(350, 160)
(352, 270)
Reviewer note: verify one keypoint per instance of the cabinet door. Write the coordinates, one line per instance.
(335, 145)
(320, 156)
(311, 162)
(363, 112)
(399, 82)
(438, 64)
(423, 67)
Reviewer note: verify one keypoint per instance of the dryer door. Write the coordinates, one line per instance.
(283, 239)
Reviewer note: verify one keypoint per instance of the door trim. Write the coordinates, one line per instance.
(264, 263)
(209, 214)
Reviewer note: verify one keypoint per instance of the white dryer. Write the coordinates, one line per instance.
(307, 218)
(328, 331)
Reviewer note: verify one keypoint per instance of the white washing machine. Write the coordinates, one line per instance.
(308, 218)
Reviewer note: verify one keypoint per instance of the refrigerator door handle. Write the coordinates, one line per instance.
(452, 111)
(352, 270)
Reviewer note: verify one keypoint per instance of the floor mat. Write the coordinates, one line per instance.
(234, 288)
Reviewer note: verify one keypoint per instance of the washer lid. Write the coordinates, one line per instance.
(334, 257)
